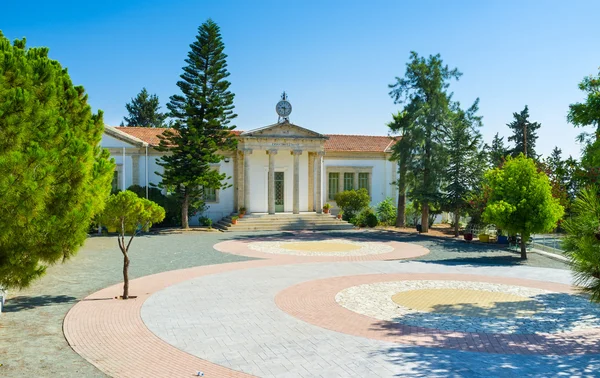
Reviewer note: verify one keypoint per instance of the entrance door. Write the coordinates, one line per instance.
(279, 192)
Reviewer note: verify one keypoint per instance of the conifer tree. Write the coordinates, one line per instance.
(144, 111)
(424, 92)
(464, 172)
(54, 177)
(518, 126)
(497, 152)
(202, 115)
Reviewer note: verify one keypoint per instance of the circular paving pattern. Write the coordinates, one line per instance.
(455, 311)
(466, 306)
(321, 249)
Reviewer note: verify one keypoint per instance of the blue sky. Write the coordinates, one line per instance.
(335, 59)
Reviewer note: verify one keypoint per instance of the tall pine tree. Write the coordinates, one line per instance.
(518, 127)
(202, 112)
(144, 111)
(464, 172)
(498, 152)
(424, 92)
(402, 152)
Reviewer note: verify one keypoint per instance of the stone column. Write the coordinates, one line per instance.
(271, 179)
(135, 168)
(319, 194)
(246, 201)
(311, 181)
(296, 208)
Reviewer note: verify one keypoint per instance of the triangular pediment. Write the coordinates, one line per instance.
(283, 130)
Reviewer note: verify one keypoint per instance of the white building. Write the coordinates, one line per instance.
(277, 168)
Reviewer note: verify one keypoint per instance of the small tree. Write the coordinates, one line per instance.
(144, 111)
(524, 134)
(129, 214)
(387, 212)
(352, 202)
(582, 243)
(521, 200)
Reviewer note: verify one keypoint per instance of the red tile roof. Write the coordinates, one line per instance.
(336, 142)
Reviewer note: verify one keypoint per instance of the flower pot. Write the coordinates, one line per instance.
(234, 221)
(468, 237)
(241, 215)
(484, 238)
(326, 211)
(339, 216)
(502, 239)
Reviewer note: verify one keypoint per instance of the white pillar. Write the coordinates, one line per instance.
(319, 195)
(271, 179)
(146, 171)
(296, 208)
(123, 187)
(246, 202)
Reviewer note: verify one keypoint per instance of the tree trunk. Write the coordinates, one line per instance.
(523, 248)
(401, 217)
(125, 276)
(184, 210)
(456, 220)
(425, 217)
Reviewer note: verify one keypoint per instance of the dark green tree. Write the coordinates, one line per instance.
(587, 113)
(524, 134)
(402, 152)
(54, 177)
(144, 111)
(424, 93)
(202, 115)
(497, 152)
(466, 161)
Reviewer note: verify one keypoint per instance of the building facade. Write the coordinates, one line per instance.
(277, 168)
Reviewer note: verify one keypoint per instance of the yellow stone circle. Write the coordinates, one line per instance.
(321, 246)
(468, 302)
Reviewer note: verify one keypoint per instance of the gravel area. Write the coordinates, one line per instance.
(31, 339)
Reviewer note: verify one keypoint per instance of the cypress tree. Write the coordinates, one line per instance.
(144, 111)
(53, 175)
(497, 152)
(518, 127)
(202, 115)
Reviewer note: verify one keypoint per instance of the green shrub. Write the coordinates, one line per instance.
(371, 220)
(387, 212)
(205, 221)
(352, 202)
(413, 214)
(365, 218)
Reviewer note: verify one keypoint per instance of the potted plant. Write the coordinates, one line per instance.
(326, 208)
(340, 214)
(468, 236)
(234, 219)
(242, 212)
(484, 238)
(502, 239)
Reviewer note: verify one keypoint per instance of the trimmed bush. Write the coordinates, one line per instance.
(352, 202)
(387, 212)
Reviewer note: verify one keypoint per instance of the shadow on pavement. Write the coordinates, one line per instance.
(22, 303)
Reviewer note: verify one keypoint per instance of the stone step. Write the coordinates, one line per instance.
(239, 227)
(268, 222)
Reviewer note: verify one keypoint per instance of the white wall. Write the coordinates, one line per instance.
(383, 175)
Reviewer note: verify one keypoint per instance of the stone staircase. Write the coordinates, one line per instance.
(284, 221)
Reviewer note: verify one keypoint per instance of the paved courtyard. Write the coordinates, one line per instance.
(302, 305)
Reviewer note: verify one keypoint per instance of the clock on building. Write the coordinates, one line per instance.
(283, 108)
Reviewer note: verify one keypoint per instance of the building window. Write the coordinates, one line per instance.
(334, 184)
(363, 181)
(210, 195)
(348, 181)
(115, 181)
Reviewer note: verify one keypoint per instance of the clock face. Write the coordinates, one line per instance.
(283, 108)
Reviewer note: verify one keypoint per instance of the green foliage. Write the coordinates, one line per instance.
(582, 245)
(365, 217)
(498, 152)
(126, 212)
(520, 200)
(202, 113)
(327, 206)
(424, 92)
(587, 113)
(466, 162)
(352, 201)
(54, 177)
(413, 214)
(205, 221)
(518, 128)
(144, 111)
(170, 203)
(387, 212)
(371, 220)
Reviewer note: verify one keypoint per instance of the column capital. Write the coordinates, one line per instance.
(272, 152)
(296, 152)
(321, 153)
